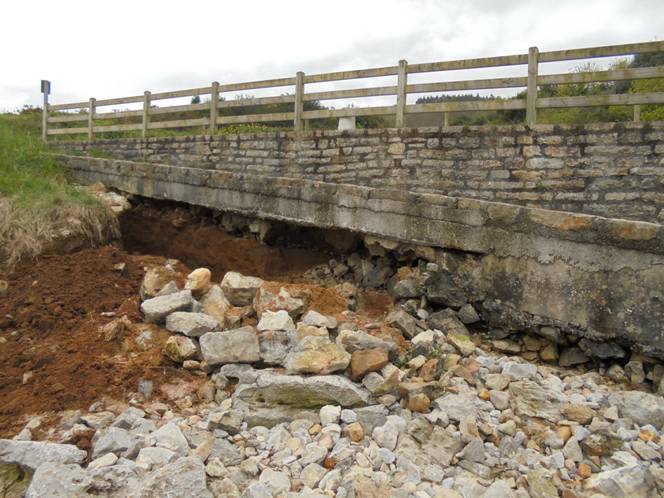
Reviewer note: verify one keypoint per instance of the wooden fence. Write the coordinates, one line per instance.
(89, 111)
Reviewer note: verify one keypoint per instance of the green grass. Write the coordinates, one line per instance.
(37, 203)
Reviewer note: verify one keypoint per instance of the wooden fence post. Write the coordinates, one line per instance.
(531, 96)
(91, 117)
(446, 119)
(402, 77)
(299, 101)
(146, 114)
(214, 107)
(637, 113)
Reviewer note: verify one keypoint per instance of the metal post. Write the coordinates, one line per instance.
(402, 76)
(146, 114)
(91, 116)
(46, 90)
(299, 101)
(531, 97)
(214, 107)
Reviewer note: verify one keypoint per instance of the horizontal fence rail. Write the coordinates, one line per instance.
(88, 114)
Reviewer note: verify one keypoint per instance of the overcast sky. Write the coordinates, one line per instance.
(120, 47)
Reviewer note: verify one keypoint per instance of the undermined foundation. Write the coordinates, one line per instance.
(297, 361)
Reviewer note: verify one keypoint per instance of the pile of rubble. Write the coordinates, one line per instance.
(298, 403)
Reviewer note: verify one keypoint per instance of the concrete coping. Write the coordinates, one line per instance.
(625, 234)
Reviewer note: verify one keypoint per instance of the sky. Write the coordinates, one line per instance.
(120, 48)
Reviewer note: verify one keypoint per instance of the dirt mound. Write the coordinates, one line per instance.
(200, 244)
(51, 353)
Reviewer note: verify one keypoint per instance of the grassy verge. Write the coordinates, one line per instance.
(37, 204)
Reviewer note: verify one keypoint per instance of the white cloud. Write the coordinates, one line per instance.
(108, 49)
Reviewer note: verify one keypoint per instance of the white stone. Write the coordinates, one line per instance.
(190, 324)
(329, 414)
(276, 320)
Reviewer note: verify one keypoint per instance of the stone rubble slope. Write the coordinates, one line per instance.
(301, 404)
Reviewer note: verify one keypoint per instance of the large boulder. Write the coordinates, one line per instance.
(316, 355)
(305, 392)
(31, 454)
(233, 346)
(534, 400)
(275, 345)
(240, 290)
(158, 308)
(642, 408)
(191, 324)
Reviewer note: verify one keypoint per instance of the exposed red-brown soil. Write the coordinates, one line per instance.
(49, 335)
(196, 243)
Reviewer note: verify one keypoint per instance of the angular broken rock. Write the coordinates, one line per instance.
(198, 280)
(353, 340)
(215, 304)
(239, 289)
(275, 320)
(232, 346)
(32, 454)
(155, 279)
(441, 289)
(306, 392)
(642, 408)
(632, 481)
(184, 477)
(317, 319)
(316, 355)
(267, 301)
(401, 320)
(190, 324)
(367, 360)
(158, 308)
(180, 348)
(275, 345)
(533, 400)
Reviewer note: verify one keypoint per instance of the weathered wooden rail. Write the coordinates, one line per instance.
(89, 110)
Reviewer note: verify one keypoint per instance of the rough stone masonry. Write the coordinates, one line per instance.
(610, 169)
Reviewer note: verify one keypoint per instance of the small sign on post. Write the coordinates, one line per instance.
(46, 90)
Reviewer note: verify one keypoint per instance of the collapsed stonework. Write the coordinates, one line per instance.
(428, 402)
(597, 277)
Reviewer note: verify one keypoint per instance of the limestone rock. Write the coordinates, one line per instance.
(367, 360)
(642, 408)
(316, 319)
(170, 436)
(233, 346)
(533, 400)
(540, 483)
(275, 345)
(198, 281)
(275, 320)
(215, 304)
(190, 324)
(298, 391)
(316, 355)
(155, 279)
(632, 481)
(184, 477)
(468, 315)
(180, 348)
(158, 308)
(116, 440)
(266, 300)
(572, 356)
(401, 320)
(353, 340)
(441, 290)
(31, 454)
(239, 289)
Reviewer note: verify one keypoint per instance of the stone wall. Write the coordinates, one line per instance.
(591, 276)
(614, 170)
